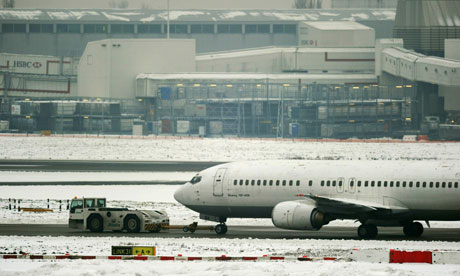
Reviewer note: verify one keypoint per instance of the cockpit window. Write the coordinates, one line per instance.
(195, 179)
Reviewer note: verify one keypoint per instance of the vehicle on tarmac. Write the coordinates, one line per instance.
(94, 215)
(306, 195)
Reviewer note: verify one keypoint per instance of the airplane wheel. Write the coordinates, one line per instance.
(413, 230)
(185, 229)
(367, 231)
(221, 229)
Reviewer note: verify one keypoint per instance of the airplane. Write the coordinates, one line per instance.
(308, 194)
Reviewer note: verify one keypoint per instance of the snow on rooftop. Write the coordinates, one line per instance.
(194, 15)
(337, 25)
(112, 17)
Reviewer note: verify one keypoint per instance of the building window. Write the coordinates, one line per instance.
(95, 28)
(230, 28)
(178, 28)
(202, 28)
(122, 28)
(149, 28)
(284, 28)
(14, 28)
(257, 28)
(68, 28)
(40, 28)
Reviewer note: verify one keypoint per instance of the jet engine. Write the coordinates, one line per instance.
(298, 215)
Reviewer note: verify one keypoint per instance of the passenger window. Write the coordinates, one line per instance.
(385, 183)
(258, 182)
(291, 182)
(340, 183)
(277, 182)
(397, 184)
(253, 182)
(450, 185)
(235, 182)
(404, 184)
(437, 184)
(443, 184)
(456, 185)
(417, 184)
(328, 183)
(410, 184)
(284, 182)
(352, 183)
(366, 183)
(241, 182)
(431, 184)
(322, 182)
(265, 183)
(379, 183)
(310, 183)
(359, 183)
(247, 182)
(372, 183)
(334, 183)
(424, 184)
(271, 182)
(391, 184)
(297, 183)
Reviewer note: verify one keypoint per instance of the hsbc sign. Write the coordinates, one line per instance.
(26, 64)
(33, 64)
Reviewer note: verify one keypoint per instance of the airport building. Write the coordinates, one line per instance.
(288, 73)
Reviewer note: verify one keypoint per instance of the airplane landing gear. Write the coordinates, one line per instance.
(413, 229)
(221, 228)
(367, 231)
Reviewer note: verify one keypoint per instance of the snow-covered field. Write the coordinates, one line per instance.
(218, 149)
(160, 197)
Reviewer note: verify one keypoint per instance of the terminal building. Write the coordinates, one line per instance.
(295, 73)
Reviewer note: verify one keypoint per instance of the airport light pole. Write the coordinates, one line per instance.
(167, 21)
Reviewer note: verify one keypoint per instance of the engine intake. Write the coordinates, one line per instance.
(297, 215)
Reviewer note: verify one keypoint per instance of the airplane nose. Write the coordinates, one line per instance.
(179, 195)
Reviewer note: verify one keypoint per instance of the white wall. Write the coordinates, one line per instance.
(289, 59)
(108, 68)
(451, 94)
(330, 34)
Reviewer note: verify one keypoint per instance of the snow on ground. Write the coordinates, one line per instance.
(100, 267)
(21, 176)
(160, 197)
(217, 149)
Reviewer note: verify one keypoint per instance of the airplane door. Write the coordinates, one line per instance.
(352, 185)
(218, 187)
(340, 184)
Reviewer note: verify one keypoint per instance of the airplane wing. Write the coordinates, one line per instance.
(350, 206)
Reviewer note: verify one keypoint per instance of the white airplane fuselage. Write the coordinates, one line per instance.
(378, 190)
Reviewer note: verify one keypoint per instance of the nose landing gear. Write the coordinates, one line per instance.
(221, 228)
(367, 231)
(413, 229)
